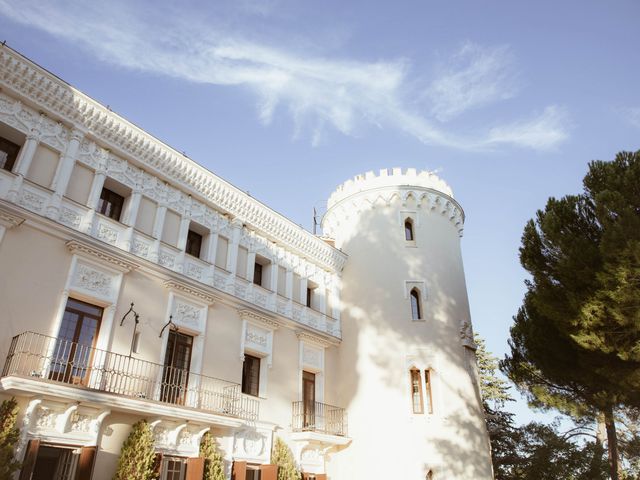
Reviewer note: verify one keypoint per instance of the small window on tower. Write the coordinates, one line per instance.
(110, 204)
(427, 391)
(416, 310)
(416, 391)
(408, 230)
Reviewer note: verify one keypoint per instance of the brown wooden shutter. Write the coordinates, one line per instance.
(268, 472)
(157, 466)
(239, 470)
(321, 476)
(29, 461)
(85, 463)
(195, 468)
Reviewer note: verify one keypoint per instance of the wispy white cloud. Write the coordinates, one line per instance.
(317, 92)
(631, 115)
(543, 132)
(475, 76)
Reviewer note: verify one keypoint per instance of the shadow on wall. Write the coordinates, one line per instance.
(378, 331)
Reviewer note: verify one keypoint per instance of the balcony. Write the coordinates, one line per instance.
(320, 418)
(54, 360)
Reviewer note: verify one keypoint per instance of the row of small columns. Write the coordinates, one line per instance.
(59, 186)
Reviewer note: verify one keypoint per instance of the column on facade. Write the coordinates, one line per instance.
(23, 162)
(130, 217)
(234, 242)
(251, 261)
(63, 172)
(304, 283)
(273, 282)
(97, 184)
(210, 249)
(156, 232)
(183, 233)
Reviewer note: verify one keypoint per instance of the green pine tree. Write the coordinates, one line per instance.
(8, 437)
(137, 454)
(283, 458)
(575, 340)
(213, 464)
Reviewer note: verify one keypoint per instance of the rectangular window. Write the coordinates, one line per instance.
(110, 204)
(71, 358)
(177, 362)
(309, 399)
(253, 472)
(8, 154)
(194, 244)
(257, 274)
(309, 296)
(221, 252)
(416, 392)
(427, 391)
(251, 375)
(174, 468)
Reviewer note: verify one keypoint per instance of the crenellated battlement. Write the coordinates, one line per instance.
(389, 177)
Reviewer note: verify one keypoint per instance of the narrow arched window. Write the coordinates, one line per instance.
(416, 391)
(416, 311)
(430, 475)
(408, 230)
(428, 393)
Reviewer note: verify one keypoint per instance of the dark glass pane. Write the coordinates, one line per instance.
(415, 305)
(194, 244)
(408, 230)
(110, 204)
(257, 274)
(8, 154)
(251, 375)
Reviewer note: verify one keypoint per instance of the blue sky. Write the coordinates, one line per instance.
(508, 101)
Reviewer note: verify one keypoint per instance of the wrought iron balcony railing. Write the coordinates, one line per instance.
(319, 417)
(57, 360)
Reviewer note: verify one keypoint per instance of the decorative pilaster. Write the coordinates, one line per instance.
(251, 261)
(23, 162)
(63, 173)
(234, 241)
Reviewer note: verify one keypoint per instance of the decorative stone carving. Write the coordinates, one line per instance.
(45, 418)
(466, 335)
(251, 444)
(194, 271)
(92, 280)
(166, 260)
(187, 315)
(107, 234)
(81, 423)
(45, 89)
(140, 248)
(70, 218)
(99, 254)
(312, 357)
(256, 338)
(194, 292)
(32, 201)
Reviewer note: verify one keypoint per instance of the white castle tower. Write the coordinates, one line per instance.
(407, 371)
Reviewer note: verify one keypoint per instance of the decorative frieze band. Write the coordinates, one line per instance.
(100, 254)
(192, 291)
(44, 89)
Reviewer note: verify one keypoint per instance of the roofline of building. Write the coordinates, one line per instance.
(47, 91)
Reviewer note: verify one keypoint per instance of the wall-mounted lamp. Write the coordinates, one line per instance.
(135, 339)
(169, 324)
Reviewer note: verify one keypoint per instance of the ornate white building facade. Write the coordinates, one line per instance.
(135, 284)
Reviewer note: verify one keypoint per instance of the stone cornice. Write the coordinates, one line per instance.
(9, 220)
(315, 339)
(88, 251)
(186, 289)
(253, 317)
(78, 110)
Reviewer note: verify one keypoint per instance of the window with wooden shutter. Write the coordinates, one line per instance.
(268, 472)
(85, 463)
(239, 470)
(30, 457)
(195, 468)
(157, 465)
(427, 391)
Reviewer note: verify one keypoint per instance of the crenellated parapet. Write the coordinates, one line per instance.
(371, 190)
